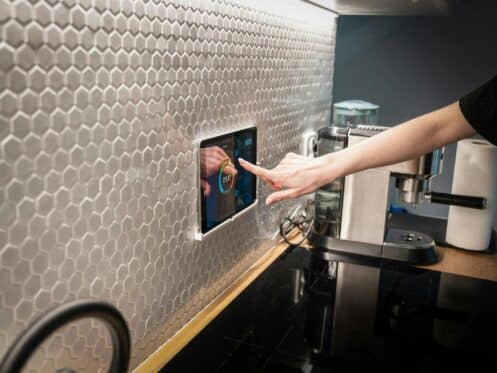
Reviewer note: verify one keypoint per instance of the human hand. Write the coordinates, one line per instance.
(211, 159)
(293, 177)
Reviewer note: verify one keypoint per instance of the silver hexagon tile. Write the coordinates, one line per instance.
(100, 102)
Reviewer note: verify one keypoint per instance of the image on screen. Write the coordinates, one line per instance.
(226, 188)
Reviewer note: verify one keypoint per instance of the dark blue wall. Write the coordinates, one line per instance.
(412, 65)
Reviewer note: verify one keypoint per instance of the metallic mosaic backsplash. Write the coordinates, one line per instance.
(100, 102)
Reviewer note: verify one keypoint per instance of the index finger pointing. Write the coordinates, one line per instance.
(252, 168)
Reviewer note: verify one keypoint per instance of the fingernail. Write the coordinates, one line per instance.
(241, 160)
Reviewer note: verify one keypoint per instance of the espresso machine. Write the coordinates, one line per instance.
(358, 238)
(352, 214)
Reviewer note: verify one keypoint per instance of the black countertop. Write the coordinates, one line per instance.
(413, 320)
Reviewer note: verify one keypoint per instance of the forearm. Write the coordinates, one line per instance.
(408, 140)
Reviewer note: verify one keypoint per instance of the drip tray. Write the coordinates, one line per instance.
(432, 226)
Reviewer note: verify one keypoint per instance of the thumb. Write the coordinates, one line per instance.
(230, 170)
(281, 196)
(206, 186)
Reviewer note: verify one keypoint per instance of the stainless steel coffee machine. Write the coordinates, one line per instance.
(352, 212)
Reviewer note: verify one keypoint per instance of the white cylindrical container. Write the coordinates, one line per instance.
(475, 174)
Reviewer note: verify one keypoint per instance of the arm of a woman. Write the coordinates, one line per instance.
(296, 175)
(413, 138)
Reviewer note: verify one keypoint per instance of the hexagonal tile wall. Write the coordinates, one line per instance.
(100, 103)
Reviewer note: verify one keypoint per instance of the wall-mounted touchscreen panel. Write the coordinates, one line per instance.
(226, 188)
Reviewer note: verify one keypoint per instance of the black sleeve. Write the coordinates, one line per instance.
(479, 107)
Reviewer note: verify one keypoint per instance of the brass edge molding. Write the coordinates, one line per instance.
(160, 357)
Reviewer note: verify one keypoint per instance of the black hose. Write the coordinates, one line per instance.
(22, 348)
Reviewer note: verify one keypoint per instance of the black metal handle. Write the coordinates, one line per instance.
(458, 200)
(19, 353)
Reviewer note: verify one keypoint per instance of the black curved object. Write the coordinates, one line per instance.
(22, 348)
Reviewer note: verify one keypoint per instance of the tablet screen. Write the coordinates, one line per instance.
(226, 188)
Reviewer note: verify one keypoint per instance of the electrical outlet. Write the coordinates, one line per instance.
(308, 143)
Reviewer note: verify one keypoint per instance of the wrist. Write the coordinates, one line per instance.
(331, 167)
